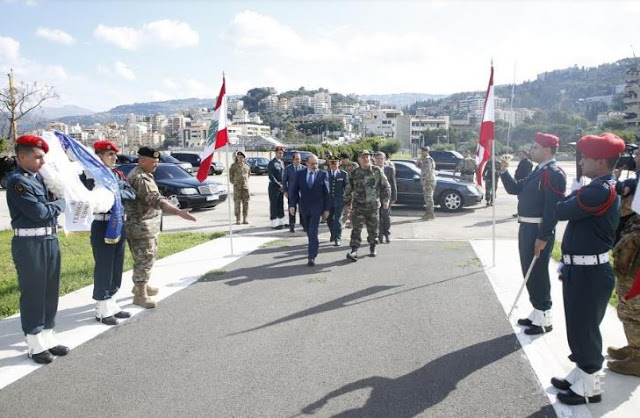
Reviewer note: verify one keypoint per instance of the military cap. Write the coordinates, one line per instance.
(424, 148)
(365, 152)
(332, 159)
(33, 141)
(547, 140)
(105, 146)
(240, 153)
(345, 155)
(148, 152)
(604, 146)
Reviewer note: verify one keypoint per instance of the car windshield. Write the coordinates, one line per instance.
(170, 159)
(261, 161)
(165, 172)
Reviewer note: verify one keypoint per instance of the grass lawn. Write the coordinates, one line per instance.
(77, 262)
(557, 254)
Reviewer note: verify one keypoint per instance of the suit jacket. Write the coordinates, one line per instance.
(390, 172)
(289, 177)
(313, 200)
(337, 187)
(524, 169)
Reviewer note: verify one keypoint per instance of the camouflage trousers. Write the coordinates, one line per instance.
(629, 312)
(143, 251)
(241, 202)
(466, 177)
(360, 218)
(428, 189)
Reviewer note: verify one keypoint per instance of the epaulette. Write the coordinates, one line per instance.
(545, 180)
(598, 210)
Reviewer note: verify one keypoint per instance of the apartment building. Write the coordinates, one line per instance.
(410, 128)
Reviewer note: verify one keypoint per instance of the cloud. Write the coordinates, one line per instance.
(118, 69)
(188, 87)
(165, 33)
(27, 70)
(55, 35)
(29, 3)
(9, 49)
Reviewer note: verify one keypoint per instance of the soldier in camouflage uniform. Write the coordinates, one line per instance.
(367, 189)
(626, 265)
(428, 178)
(239, 177)
(347, 166)
(467, 167)
(142, 224)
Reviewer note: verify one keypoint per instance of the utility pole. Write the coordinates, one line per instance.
(12, 108)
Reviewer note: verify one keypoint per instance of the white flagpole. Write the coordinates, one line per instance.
(229, 197)
(493, 197)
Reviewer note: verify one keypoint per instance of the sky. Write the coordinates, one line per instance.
(99, 54)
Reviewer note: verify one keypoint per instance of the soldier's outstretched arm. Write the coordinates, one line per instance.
(174, 210)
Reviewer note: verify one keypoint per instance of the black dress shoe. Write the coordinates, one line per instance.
(337, 243)
(122, 315)
(560, 383)
(108, 320)
(571, 398)
(278, 227)
(59, 350)
(292, 230)
(42, 358)
(386, 238)
(535, 330)
(525, 322)
(372, 251)
(312, 262)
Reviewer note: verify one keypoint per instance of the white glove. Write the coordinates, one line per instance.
(577, 184)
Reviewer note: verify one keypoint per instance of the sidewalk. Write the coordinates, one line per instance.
(75, 323)
(548, 354)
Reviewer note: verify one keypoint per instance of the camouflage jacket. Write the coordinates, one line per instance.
(367, 189)
(239, 175)
(467, 166)
(626, 253)
(428, 168)
(349, 167)
(144, 213)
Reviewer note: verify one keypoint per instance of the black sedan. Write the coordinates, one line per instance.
(164, 158)
(451, 194)
(183, 189)
(258, 165)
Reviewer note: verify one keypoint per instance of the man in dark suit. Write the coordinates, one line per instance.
(337, 184)
(385, 214)
(311, 190)
(288, 179)
(275, 170)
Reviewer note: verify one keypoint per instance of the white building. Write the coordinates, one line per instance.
(176, 123)
(270, 103)
(381, 122)
(247, 129)
(194, 136)
(474, 106)
(159, 122)
(321, 103)
(284, 105)
(410, 128)
(58, 126)
(77, 133)
(299, 101)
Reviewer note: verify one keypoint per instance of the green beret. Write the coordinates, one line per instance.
(148, 152)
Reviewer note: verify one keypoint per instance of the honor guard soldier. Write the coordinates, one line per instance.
(587, 277)
(538, 194)
(275, 171)
(338, 180)
(142, 224)
(367, 190)
(108, 255)
(35, 249)
(239, 176)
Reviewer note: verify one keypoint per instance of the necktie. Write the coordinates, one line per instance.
(310, 181)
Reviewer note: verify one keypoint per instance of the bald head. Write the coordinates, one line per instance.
(312, 163)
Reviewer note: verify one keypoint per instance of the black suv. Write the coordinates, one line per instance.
(195, 160)
(446, 160)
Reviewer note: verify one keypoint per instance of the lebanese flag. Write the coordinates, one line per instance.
(487, 130)
(635, 288)
(216, 136)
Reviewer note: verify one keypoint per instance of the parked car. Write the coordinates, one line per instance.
(446, 160)
(287, 158)
(194, 159)
(258, 164)
(133, 159)
(451, 194)
(184, 189)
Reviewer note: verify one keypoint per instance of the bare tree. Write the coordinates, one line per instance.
(16, 102)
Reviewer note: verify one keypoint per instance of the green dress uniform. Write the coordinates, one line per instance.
(36, 254)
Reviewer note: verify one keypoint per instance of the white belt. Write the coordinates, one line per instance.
(585, 260)
(101, 216)
(34, 232)
(529, 220)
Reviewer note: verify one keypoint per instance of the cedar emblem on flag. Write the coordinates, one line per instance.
(487, 130)
(216, 134)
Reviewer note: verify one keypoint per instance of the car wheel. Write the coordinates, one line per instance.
(451, 201)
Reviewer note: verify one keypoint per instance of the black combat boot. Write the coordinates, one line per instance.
(353, 255)
(372, 250)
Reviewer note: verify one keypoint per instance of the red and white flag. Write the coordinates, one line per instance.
(487, 130)
(217, 134)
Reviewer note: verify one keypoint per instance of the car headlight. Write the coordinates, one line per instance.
(188, 191)
(473, 189)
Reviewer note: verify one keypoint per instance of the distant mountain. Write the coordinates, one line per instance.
(400, 100)
(60, 112)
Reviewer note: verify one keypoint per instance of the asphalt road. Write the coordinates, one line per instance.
(417, 331)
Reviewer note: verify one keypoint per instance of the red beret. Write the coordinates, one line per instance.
(601, 147)
(33, 141)
(105, 145)
(547, 140)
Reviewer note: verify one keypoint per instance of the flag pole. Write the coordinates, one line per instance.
(229, 198)
(493, 196)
